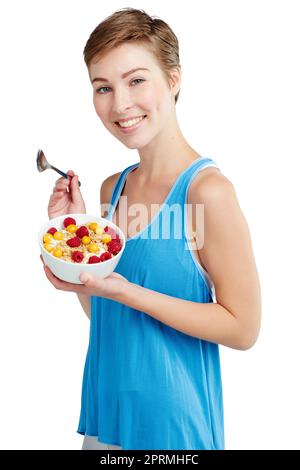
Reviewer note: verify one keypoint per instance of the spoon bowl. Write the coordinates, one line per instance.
(42, 165)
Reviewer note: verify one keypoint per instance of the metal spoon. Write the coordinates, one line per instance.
(42, 165)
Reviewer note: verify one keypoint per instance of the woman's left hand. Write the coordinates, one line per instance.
(110, 287)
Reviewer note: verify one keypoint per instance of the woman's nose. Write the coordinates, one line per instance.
(121, 109)
(121, 103)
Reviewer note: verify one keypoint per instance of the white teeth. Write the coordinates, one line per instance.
(131, 122)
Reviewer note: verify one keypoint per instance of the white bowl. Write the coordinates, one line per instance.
(70, 272)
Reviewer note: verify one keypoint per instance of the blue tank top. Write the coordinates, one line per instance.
(146, 385)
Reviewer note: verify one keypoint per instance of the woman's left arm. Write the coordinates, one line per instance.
(234, 320)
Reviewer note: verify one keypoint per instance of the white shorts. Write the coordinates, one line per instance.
(92, 443)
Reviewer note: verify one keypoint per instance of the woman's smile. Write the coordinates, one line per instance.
(128, 127)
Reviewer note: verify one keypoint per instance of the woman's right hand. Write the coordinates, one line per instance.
(66, 197)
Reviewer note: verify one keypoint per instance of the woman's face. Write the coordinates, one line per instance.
(142, 100)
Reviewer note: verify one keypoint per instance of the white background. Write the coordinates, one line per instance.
(239, 104)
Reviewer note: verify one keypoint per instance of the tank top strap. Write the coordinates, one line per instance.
(179, 191)
(117, 189)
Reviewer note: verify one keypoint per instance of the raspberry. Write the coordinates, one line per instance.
(94, 259)
(73, 242)
(114, 246)
(111, 232)
(69, 221)
(82, 231)
(77, 256)
(52, 230)
(105, 256)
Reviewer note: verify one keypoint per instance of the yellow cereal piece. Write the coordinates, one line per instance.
(58, 236)
(93, 248)
(106, 238)
(48, 247)
(99, 230)
(71, 228)
(47, 238)
(93, 226)
(58, 253)
(86, 240)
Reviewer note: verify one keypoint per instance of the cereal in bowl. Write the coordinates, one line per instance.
(87, 243)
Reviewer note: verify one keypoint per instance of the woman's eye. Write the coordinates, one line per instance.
(102, 90)
(138, 80)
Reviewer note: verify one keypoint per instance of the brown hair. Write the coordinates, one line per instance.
(130, 24)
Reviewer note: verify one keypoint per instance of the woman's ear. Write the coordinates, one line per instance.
(175, 80)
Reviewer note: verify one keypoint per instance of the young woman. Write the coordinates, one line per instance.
(152, 376)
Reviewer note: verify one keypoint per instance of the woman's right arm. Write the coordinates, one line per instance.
(67, 199)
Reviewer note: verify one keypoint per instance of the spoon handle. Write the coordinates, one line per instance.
(62, 173)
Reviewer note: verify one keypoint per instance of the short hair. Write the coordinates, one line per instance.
(129, 25)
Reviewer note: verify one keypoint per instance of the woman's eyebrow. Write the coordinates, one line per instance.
(101, 79)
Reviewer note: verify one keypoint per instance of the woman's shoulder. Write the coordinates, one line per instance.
(106, 190)
(108, 184)
(110, 181)
(210, 184)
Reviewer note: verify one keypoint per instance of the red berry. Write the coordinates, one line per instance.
(69, 221)
(104, 256)
(52, 230)
(73, 242)
(111, 232)
(82, 231)
(77, 256)
(94, 259)
(114, 246)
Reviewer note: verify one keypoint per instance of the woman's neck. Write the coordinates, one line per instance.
(166, 156)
